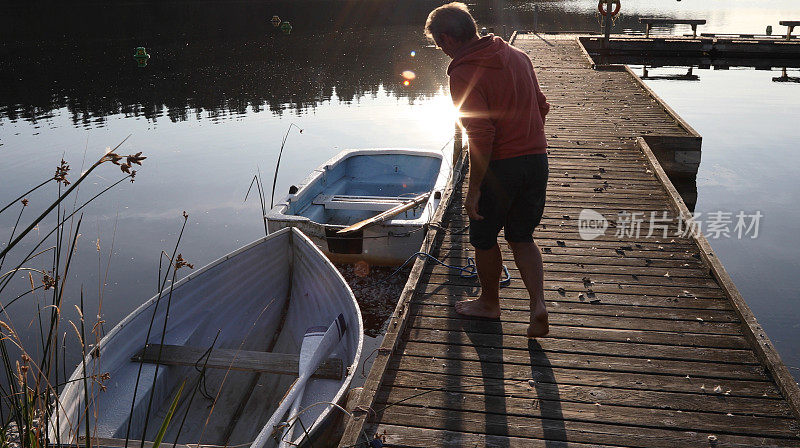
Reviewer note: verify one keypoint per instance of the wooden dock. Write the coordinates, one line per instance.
(719, 51)
(651, 344)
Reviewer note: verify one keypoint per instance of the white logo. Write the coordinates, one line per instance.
(591, 224)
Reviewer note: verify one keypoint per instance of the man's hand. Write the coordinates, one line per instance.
(471, 203)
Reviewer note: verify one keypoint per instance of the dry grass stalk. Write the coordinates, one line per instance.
(30, 400)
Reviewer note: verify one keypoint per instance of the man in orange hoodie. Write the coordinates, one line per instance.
(502, 109)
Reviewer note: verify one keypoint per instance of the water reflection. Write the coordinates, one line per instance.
(681, 73)
(784, 77)
(688, 76)
(222, 78)
(750, 164)
(223, 60)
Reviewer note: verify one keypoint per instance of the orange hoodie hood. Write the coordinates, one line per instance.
(488, 51)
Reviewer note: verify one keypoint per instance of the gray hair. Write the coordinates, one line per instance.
(452, 19)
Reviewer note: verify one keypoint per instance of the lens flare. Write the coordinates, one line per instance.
(406, 83)
(409, 75)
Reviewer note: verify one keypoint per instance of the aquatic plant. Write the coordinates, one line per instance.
(36, 372)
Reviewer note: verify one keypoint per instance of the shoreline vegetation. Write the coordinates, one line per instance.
(35, 372)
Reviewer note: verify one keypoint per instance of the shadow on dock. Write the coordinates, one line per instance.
(487, 342)
(553, 427)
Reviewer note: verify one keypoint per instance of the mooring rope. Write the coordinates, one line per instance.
(468, 271)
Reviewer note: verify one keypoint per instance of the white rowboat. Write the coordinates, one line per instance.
(261, 299)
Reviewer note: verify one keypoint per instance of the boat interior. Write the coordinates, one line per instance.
(232, 341)
(360, 186)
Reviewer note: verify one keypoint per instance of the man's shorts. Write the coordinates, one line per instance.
(512, 197)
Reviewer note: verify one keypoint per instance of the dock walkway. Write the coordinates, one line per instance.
(650, 345)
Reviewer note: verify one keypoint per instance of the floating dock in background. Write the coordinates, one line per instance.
(651, 345)
(704, 51)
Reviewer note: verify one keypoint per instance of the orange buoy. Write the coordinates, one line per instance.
(603, 12)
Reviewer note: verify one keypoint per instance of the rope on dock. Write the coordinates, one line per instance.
(468, 271)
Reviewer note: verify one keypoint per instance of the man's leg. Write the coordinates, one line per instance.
(489, 263)
(529, 262)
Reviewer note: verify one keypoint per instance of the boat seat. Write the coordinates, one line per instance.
(246, 360)
(358, 202)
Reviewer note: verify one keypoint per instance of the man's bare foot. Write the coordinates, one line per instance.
(478, 308)
(539, 326)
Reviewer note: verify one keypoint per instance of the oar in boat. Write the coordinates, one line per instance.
(387, 214)
(311, 341)
(326, 345)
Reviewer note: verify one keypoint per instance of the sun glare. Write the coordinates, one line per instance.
(435, 115)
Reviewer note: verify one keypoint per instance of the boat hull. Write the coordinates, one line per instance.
(379, 245)
(261, 297)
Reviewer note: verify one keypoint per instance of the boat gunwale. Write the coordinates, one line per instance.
(352, 368)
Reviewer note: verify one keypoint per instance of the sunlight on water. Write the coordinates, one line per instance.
(723, 16)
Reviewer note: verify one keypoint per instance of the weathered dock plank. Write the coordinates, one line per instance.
(650, 345)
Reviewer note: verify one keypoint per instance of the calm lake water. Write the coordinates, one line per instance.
(750, 164)
(223, 86)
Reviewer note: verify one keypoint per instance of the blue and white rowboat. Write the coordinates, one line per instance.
(358, 184)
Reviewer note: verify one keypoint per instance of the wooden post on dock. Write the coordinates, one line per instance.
(607, 24)
(458, 145)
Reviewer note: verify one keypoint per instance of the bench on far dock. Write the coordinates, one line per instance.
(650, 21)
(789, 24)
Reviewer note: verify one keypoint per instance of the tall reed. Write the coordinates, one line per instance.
(35, 372)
